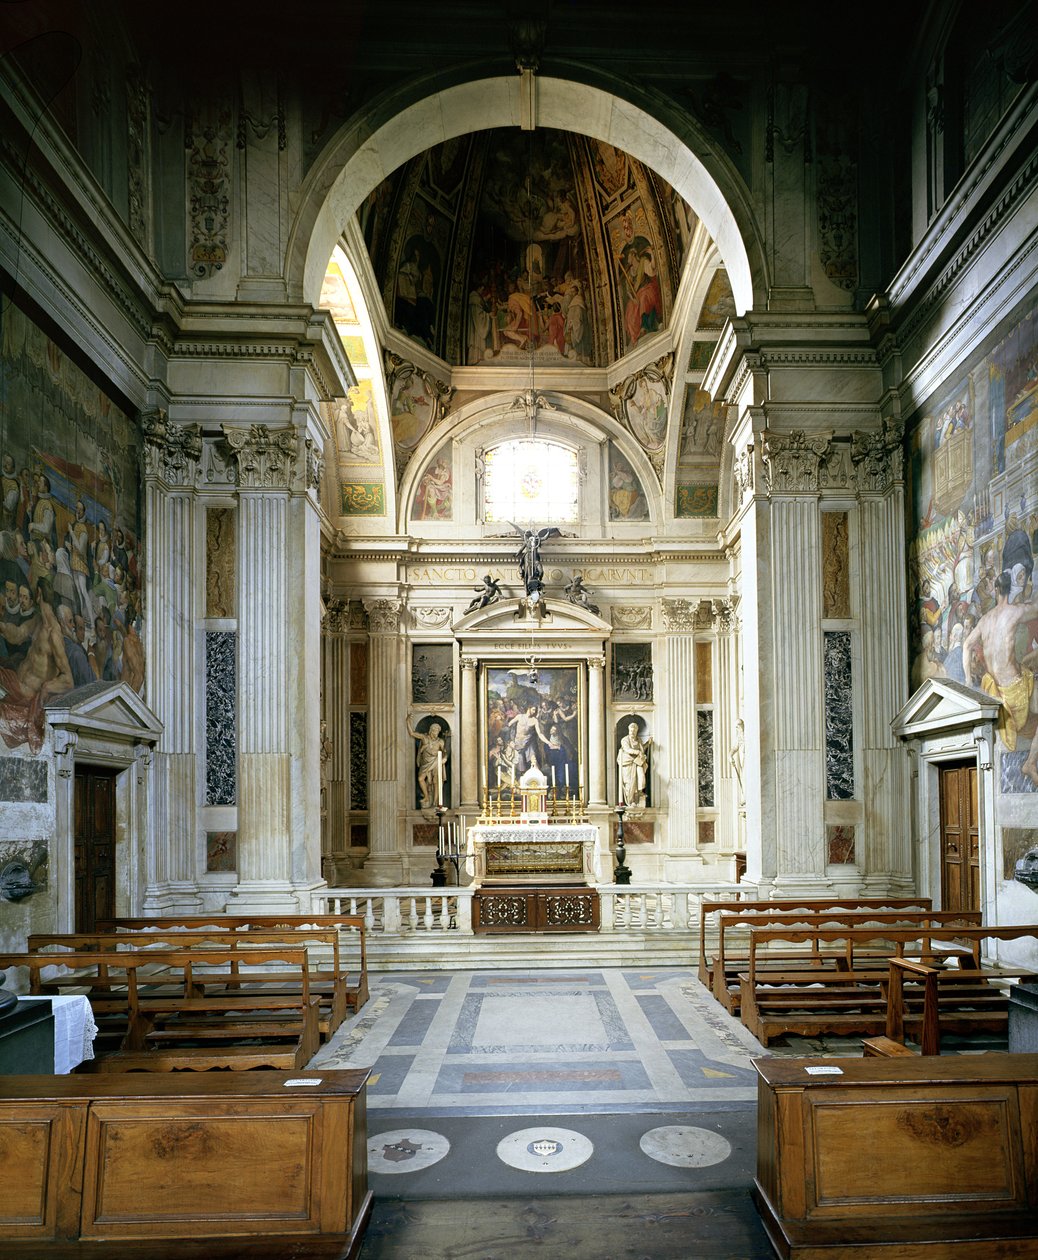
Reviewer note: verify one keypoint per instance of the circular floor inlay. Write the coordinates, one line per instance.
(684, 1147)
(544, 1150)
(405, 1150)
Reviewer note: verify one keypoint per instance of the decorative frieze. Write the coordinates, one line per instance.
(170, 451)
(631, 616)
(265, 457)
(207, 139)
(424, 617)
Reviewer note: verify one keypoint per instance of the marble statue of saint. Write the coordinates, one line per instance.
(632, 763)
(431, 760)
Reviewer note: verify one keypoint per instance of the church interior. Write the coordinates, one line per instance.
(485, 483)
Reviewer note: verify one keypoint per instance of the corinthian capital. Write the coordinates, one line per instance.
(171, 451)
(801, 463)
(879, 458)
(383, 615)
(265, 457)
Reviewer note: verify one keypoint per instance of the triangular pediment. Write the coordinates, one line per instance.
(942, 704)
(514, 616)
(106, 707)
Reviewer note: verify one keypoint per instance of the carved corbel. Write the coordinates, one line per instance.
(143, 755)
(65, 743)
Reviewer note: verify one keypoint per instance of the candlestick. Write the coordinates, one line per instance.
(567, 774)
(553, 776)
(499, 778)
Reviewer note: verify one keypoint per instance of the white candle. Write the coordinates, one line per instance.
(567, 773)
(553, 776)
(499, 778)
(513, 778)
(439, 778)
(439, 845)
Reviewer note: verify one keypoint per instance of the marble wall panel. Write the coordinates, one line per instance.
(432, 673)
(705, 756)
(636, 831)
(839, 716)
(704, 674)
(839, 843)
(221, 851)
(358, 835)
(707, 829)
(358, 761)
(425, 836)
(23, 780)
(836, 586)
(358, 673)
(220, 556)
(221, 736)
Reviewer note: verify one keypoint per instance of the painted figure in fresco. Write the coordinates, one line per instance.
(10, 493)
(433, 498)
(356, 431)
(1017, 556)
(44, 672)
(488, 593)
(77, 657)
(643, 305)
(43, 522)
(431, 760)
(632, 767)
(1001, 675)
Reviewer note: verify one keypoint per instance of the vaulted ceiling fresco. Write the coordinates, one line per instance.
(501, 243)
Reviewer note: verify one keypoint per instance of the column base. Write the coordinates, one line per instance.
(266, 896)
(384, 871)
(166, 901)
(683, 870)
(801, 885)
(878, 884)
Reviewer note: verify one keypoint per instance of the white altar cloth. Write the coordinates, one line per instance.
(74, 1030)
(537, 836)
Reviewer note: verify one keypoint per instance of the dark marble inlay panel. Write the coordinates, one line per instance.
(221, 703)
(221, 851)
(358, 835)
(839, 716)
(706, 831)
(358, 761)
(23, 779)
(839, 840)
(705, 753)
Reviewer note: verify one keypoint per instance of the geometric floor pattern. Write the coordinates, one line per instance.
(507, 1043)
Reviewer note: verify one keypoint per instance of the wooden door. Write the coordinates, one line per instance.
(94, 847)
(960, 837)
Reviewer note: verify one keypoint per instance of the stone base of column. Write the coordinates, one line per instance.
(802, 885)
(686, 869)
(266, 896)
(384, 870)
(166, 901)
(887, 884)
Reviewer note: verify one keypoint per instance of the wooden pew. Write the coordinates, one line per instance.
(811, 1002)
(931, 979)
(729, 963)
(786, 905)
(907, 1159)
(329, 983)
(211, 1166)
(350, 927)
(180, 1011)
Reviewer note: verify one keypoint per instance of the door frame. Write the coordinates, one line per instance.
(946, 721)
(107, 726)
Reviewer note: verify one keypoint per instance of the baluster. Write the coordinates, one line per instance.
(391, 915)
(427, 917)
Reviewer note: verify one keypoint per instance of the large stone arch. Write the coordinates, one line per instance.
(366, 150)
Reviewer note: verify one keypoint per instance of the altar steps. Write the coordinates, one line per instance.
(423, 951)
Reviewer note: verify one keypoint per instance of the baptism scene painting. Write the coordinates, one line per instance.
(508, 246)
(71, 567)
(532, 718)
(973, 530)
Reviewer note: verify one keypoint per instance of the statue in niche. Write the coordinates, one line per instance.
(632, 768)
(431, 762)
(738, 757)
(577, 593)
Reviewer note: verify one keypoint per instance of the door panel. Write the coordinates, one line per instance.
(960, 836)
(94, 846)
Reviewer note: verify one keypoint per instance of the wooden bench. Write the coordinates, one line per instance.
(180, 1011)
(808, 905)
(216, 1166)
(854, 1002)
(909, 1158)
(349, 926)
(328, 983)
(905, 971)
(731, 960)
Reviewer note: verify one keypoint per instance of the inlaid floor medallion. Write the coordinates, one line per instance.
(544, 1150)
(406, 1150)
(681, 1146)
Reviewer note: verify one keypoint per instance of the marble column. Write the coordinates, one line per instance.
(385, 863)
(469, 735)
(174, 681)
(596, 775)
(796, 465)
(885, 856)
(336, 715)
(265, 459)
(727, 708)
(683, 860)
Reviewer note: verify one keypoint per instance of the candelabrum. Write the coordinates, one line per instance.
(447, 852)
(622, 874)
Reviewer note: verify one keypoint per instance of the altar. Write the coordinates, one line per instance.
(535, 853)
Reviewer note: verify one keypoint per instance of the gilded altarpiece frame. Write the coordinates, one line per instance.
(559, 693)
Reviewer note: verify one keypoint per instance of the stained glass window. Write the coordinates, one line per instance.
(528, 480)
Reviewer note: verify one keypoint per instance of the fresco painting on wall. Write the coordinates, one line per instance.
(528, 287)
(973, 525)
(627, 501)
(434, 497)
(719, 304)
(420, 274)
(70, 557)
(634, 254)
(356, 427)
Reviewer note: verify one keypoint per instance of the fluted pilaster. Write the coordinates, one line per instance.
(681, 743)
(596, 733)
(469, 734)
(385, 860)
